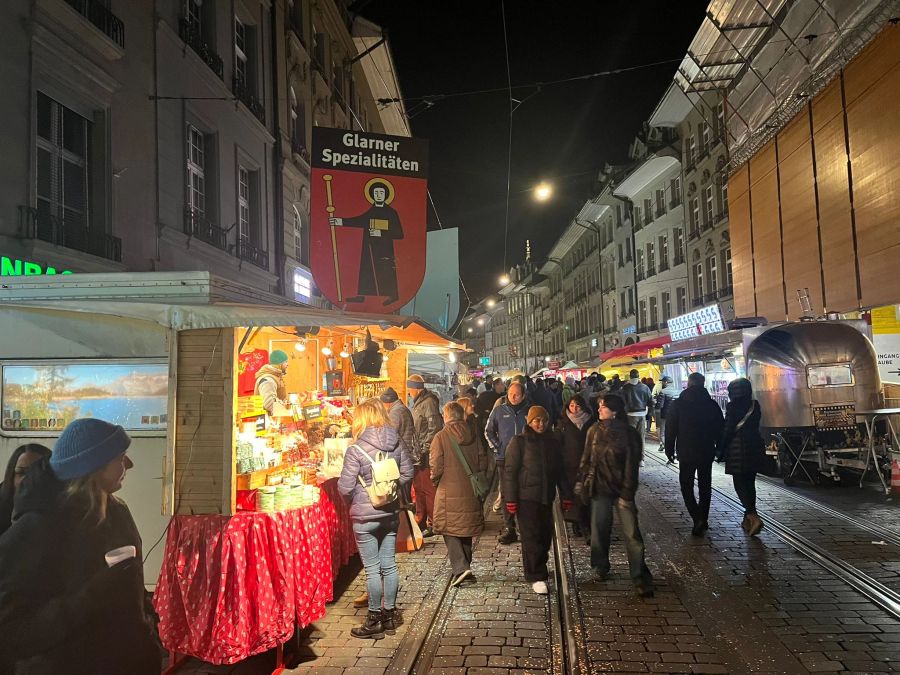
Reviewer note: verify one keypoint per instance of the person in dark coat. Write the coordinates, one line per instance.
(572, 428)
(743, 449)
(375, 529)
(531, 475)
(543, 397)
(426, 413)
(22, 458)
(693, 430)
(63, 608)
(485, 403)
(612, 461)
(458, 513)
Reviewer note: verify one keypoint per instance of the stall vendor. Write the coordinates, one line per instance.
(270, 381)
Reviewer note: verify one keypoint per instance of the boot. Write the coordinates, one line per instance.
(700, 526)
(745, 523)
(362, 601)
(508, 537)
(755, 525)
(388, 621)
(372, 629)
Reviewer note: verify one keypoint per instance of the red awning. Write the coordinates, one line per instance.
(636, 350)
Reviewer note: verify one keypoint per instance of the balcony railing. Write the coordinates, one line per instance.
(651, 271)
(648, 217)
(720, 216)
(712, 296)
(639, 275)
(108, 23)
(694, 233)
(660, 210)
(679, 259)
(243, 93)
(676, 201)
(663, 265)
(697, 302)
(607, 289)
(196, 225)
(725, 292)
(690, 165)
(252, 254)
(706, 225)
(194, 39)
(33, 225)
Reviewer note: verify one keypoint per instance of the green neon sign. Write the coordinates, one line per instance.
(14, 267)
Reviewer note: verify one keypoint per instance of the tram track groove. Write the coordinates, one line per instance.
(875, 591)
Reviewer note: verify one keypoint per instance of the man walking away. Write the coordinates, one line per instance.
(507, 420)
(485, 403)
(662, 399)
(694, 425)
(426, 413)
(637, 400)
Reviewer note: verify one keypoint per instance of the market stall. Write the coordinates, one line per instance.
(246, 406)
(639, 355)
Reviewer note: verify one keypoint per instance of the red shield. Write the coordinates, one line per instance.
(368, 218)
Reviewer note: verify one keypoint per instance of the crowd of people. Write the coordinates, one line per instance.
(535, 442)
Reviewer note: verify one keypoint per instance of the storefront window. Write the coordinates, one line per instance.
(45, 397)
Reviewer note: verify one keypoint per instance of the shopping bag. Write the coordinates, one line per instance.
(409, 535)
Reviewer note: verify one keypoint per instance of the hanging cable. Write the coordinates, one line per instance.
(509, 144)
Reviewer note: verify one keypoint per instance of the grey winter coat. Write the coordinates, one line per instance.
(402, 420)
(457, 511)
(371, 441)
(426, 414)
(637, 396)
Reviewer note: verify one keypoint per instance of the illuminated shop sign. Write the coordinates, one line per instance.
(701, 321)
(15, 267)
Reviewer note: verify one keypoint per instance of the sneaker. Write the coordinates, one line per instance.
(362, 601)
(427, 533)
(508, 537)
(540, 587)
(643, 590)
(371, 629)
(462, 576)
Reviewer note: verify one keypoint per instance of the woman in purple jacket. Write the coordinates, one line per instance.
(375, 528)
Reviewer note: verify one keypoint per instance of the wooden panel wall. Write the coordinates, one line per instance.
(833, 182)
(741, 242)
(871, 91)
(799, 221)
(204, 433)
(766, 234)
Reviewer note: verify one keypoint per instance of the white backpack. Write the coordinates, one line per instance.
(385, 474)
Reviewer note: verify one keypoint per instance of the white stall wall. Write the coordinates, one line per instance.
(46, 334)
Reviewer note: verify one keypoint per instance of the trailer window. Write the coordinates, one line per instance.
(829, 376)
(45, 397)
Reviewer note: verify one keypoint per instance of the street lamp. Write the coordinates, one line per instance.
(490, 303)
(504, 279)
(543, 191)
(470, 330)
(480, 322)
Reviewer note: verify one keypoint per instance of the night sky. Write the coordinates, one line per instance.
(564, 133)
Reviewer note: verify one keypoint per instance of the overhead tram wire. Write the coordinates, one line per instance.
(509, 144)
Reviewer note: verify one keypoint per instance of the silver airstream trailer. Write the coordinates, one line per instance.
(811, 379)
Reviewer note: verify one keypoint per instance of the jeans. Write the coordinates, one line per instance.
(745, 486)
(424, 496)
(699, 511)
(459, 551)
(661, 428)
(602, 507)
(509, 520)
(377, 541)
(536, 532)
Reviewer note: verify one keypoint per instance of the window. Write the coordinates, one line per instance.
(695, 215)
(681, 299)
(708, 211)
(723, 196)
(666, 306)
(707, 137)
(244, 226)
(664, 252)
(63, 167)
(631, 301)
(642, 314)
(651, 257)
(298, 235)
(726, 265)
(295, 15)
(654, 311)
(319, 51)
(660, 202)
(679, 245)
(193, 14)
(676, 191)
(628, 250)
(692, 151)
(639, 263)
(196, 171)
(720, 120)
(622, 302)
(712, 269)
(637, 218)
(698, 281)
(648, 211)
(298, 123)
(240, 52)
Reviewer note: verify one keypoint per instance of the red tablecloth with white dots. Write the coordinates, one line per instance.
(234, 586)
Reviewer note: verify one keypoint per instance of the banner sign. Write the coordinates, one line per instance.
(368, 218)
(701, 321)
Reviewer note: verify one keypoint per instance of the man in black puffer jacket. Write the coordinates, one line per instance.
(694, 426)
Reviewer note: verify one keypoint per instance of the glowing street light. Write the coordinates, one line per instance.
(504, 279)
(543, 191)
(480, 322)
(470, 330)
(490, 303)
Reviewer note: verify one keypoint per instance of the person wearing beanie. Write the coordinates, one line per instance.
(427, 418)
(270, 381)
(63, 608)
(743, 449)
(532, 472)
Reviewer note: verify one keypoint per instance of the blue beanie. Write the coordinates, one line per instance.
(86, 445)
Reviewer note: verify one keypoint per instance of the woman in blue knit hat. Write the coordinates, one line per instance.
(64, 608)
